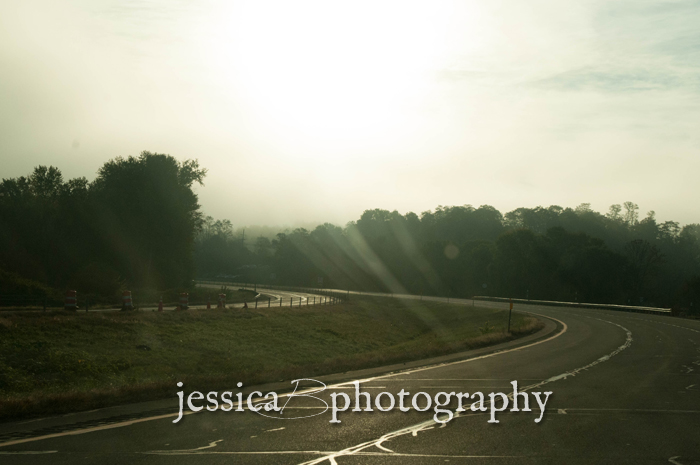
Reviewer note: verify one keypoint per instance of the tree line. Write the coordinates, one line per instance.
(551, 253)
(138, 224)
(133, 225)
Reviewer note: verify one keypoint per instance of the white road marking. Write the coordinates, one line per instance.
(673, 460)
(31, 421)
(86, 430)
(189, 451)
(624, 410)
(318, 452)
(276, 429)
(29, 452)
(460, 379)
(363, 387)
(379, 445)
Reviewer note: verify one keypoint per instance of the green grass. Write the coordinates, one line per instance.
(61, 361)
(147, 299)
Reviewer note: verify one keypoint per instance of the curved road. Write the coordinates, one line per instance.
(626, 389)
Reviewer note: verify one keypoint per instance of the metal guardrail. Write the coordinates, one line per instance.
(338, 293)
(341, 293)
(622, 308)
(22, 302)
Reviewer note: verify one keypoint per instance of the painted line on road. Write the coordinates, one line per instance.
(363, 387)
(630, 410)
(461, 379)
(318, 452)
(28, 452)
(87, 430)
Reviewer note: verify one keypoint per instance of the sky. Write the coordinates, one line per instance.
(314, 111)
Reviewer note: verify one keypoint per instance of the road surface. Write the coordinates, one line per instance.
(625, 390)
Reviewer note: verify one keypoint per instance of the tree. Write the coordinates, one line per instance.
(147, 217)
(614, 212)
(134, 224)
(550, 252)
(645, 260)
(631, 216)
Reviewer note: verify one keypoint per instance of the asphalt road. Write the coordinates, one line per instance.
(625, 389)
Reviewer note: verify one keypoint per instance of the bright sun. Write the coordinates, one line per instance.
(331, 67)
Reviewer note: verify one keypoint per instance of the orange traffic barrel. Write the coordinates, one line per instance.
(71, 302)
(127, 303)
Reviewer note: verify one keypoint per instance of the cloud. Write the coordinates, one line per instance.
(615, 80)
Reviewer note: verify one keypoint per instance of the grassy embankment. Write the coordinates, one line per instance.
(60, 361)
(147, 298)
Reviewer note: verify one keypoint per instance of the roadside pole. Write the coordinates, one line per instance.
(509, 313)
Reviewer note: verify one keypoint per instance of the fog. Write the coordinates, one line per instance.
(310, 112)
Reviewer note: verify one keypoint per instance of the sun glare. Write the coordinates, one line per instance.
(352, 68)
